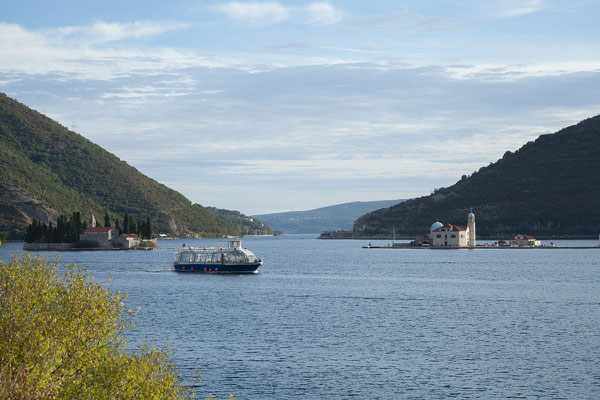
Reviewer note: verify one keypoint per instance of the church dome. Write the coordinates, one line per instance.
(471, 215)
(435, 225)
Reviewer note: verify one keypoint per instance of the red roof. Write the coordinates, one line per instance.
(98, 229)
(454, 228)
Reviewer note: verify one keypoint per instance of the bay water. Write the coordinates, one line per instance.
(327, 319)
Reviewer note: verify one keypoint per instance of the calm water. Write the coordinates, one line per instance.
(330, 320)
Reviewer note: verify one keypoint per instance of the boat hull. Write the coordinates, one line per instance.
(245, 268)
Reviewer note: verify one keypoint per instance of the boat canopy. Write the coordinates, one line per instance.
(232, 253)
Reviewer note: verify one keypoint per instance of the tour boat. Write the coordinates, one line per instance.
(232, 259)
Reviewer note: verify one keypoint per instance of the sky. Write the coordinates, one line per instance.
(292, 105)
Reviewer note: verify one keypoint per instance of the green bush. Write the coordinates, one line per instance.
(61, 337)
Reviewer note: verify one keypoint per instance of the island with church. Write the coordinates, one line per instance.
(73, 233)
(450, 236)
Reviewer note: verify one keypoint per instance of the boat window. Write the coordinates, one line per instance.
(187, 257)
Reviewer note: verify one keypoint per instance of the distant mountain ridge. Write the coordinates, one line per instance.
(47, 170)
(550, 187)
(335, 217)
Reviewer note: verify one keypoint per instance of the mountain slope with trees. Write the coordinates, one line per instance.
(550, 187)
(47, 170)
(243, 224)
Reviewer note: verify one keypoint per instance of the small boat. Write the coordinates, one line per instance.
(230, 259)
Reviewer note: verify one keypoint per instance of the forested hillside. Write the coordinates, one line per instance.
(243, 224)
(47, 170)
(549, 187)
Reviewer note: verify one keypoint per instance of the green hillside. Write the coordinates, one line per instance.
(548, 188)
(47, 170)
(336, 217)
(243, 224)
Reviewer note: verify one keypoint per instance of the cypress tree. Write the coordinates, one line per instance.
(106, 220)
(126, 223)
(61, 229)
(147, 229)
(132, 225)
(50, 232)
(118, 226)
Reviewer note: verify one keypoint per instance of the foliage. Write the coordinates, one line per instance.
(68, 230)
(146, 229)
(549, 187)
(62, 337)
(243, 224)
(47, 169)
(3, 238)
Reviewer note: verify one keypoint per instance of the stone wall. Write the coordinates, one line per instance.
(47, 246)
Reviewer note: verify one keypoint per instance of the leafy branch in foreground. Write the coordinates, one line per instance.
(61, 337)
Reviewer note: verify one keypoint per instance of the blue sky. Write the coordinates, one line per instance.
(291, 105)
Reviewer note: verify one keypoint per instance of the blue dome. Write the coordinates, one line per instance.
(471, 215)
(435, 225)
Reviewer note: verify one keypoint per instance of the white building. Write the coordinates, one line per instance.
(449, 235)
(522, 240)
(127, 241)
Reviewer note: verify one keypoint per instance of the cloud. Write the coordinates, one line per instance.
(85, 52)
(265, 13)
(514, 8)
(104, 32)
(398, 19)
(290, 124)
(323, 14)
(408, 21)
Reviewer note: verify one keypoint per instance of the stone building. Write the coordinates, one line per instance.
(522, 240)
(103, 236)
(127, 241)
(448, 235)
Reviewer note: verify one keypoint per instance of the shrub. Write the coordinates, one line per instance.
(61, 337)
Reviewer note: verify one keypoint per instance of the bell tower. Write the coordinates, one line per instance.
(471, 225)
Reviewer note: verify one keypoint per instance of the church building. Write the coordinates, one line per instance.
(448, 235)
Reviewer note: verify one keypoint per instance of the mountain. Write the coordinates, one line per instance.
(336, 217)
(549, 188)
(47, 170)
(241, 223)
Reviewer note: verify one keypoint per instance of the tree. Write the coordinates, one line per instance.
(37, 231)
(61, 230)
(107, 220)
(75, 226)
(126, 223)
(147, 229)
(132, 225)
(62, 337)
(49, 233)
(118, 226)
